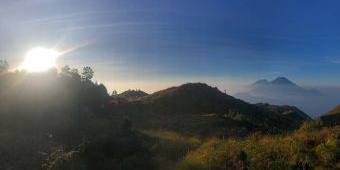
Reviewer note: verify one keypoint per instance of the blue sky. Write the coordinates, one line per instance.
(155, 44)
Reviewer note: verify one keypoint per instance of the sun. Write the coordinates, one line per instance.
(40, 59)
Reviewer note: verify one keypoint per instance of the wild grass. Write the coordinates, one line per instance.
(318, 149)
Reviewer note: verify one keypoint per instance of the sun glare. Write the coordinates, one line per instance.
(40, 59)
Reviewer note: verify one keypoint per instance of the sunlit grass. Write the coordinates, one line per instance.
(317, 149)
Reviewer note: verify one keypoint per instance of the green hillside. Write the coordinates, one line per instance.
(332, 117)
(198, 109)
(334, 111)
(194, 98)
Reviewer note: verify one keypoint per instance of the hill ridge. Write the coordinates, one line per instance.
(201, 99)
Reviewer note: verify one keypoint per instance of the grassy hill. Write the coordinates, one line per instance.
(198, 109)
(334, 111)
(290, 111)
(332, 117)
(196, 98)
(132, 94)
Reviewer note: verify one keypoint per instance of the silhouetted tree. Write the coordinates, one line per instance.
(87, 74)
(65, 70)
(114, 93)
(4, 66)
(75, 74)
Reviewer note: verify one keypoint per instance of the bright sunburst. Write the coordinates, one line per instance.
(40, 59)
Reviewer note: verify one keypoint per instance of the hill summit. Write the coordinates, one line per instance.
(185, 105)
(190, 98)
(260, 82)
(132, 94)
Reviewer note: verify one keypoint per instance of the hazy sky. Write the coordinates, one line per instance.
(155, 44)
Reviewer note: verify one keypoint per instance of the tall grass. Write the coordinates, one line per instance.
(318, 149)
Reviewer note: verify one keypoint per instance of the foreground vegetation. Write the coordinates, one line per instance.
(308, 148)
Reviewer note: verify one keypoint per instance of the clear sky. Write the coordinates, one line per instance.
(150, 45)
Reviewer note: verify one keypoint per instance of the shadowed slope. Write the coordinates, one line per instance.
(204, 109)
(332, 117)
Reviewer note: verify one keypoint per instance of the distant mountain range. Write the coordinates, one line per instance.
(280, 87)
(282, 91)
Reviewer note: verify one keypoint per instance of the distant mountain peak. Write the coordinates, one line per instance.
(282, 80)
(261, 82)
(281, 91)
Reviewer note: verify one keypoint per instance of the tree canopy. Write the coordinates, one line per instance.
(87, 74)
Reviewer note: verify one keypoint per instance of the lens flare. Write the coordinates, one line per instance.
(40, 59)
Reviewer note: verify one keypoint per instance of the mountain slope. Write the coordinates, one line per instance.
(290, 111)
(259, 83)
(197, 98)
(334, 111)
(198, 109)
(132, 94)
(332, 117)
(282, 81)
